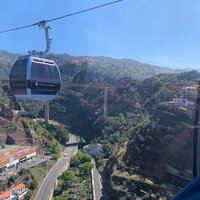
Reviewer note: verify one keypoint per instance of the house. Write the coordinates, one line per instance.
(188, 90)
(19, 190)
(183, 109)
(6, 195)
(93, 149)
(182, 101)
(15, 193)
(13, 155)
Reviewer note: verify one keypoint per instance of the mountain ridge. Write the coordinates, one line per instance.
(102, 66)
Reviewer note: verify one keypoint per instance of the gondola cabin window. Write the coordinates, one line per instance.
(18, 77)
(44, 79)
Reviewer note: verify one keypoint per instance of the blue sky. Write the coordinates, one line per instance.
(159, 32)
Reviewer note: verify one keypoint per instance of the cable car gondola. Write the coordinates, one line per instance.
(34, 78)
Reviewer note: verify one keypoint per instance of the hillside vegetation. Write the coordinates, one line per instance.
(99, 68)
(141, 134)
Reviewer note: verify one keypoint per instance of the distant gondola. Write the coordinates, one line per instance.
(33, 78)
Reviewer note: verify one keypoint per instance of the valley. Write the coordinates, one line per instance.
(148, 129)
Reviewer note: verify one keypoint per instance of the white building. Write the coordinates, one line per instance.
(14, 155)
(182, 101)
(93, 149)
(188, 90)
(19, 190)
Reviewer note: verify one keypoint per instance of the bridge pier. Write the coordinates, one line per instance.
(46, 112)
(105, 105)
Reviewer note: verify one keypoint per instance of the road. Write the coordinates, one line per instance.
(46, 188)
(96, 183)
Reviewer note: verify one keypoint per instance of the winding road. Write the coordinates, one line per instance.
(45, 191)
(96, 183)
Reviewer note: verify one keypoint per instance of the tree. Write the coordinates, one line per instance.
(59, 198)
(12, 179)
(33, 185)
(28, 195)
(80, 158)
(55, 156)
(85, 168)
(75, 161)
(67, 176)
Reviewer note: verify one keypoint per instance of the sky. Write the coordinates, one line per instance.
(164, 33)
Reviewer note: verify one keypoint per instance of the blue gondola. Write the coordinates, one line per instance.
(33, 78)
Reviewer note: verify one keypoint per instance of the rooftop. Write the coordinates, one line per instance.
(5, 194)
(19, 186)
(8, 148)
(8, 193)
(91, 146)
(15, 152)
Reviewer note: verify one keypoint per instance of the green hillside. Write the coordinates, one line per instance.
(141, 134)
(92, 68)
(6, 61)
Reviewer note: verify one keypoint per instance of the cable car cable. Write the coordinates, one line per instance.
(86, 10)
(64, 16)
(18, 28)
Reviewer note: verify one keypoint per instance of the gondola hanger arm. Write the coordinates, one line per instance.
(43, 25)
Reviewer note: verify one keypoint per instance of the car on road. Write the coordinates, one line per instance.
(64, 154)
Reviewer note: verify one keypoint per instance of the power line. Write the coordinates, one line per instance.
(64, 16)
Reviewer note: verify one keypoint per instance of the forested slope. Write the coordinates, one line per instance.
(141, 134)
